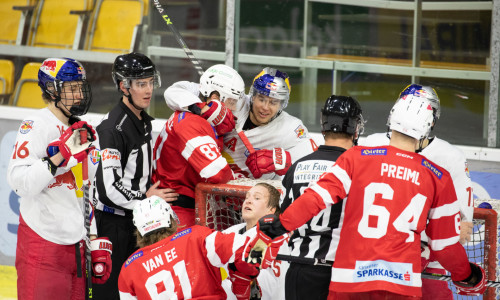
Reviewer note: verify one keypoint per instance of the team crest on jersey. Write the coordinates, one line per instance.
(181, 233)
(95, 156)
(433, 168)
(300, 131)
(26, 126)
(133, 257)
(374, 151)
(467, 170)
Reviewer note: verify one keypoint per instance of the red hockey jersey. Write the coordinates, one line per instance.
(186, 153)
(390, 195)
(182, 266)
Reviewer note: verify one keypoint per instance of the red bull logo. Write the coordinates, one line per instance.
(49, 65)
(67, 179)
(271, 86)
(26, 126)
(300, 131)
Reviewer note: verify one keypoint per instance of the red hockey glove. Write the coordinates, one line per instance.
(241, 265)
(240, 283)
(267, 161)
(475, 284)
(220, 117)
(265, 246)
(272, 250)
(101, 259)
(70, 143)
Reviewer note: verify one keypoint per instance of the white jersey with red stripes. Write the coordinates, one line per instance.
(449, 157)
(186, 153)
(49, 204)
(285, 131)
(182, 266)
(391, 195)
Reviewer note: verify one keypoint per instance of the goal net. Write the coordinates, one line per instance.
(218, 206)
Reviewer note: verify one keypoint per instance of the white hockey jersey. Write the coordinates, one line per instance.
(285, 132)
(271, 280)
(48, 204)
(449, 157)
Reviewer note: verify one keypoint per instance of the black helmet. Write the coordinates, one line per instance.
(342, 114)
(134, 66)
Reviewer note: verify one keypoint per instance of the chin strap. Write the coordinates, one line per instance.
(129, 97)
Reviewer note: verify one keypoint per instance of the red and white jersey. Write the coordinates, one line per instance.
(49, 204)
(285, 132)
(270, 280)
(449, 157)
(391, 195)
(182, 266)
(186, 153)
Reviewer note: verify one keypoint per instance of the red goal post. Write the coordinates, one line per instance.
(218, 206)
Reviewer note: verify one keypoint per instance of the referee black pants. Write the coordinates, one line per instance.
(121, 232)
(307, 282)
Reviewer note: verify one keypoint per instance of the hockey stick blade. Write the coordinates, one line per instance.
(86, 199)
(178, 37)
(489, 283)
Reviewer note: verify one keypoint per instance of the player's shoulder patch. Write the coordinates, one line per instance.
(95, 156)
(133, 257)
(374, 151)
(300, 131)
(435, 170)
(26, 126)
(182, 233)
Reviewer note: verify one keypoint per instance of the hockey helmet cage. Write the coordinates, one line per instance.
(52, 75)
(412, 116)
(134, 66)
(273, 83)
(151, 214)
(342, 114)
(224, 80)
(426, 92)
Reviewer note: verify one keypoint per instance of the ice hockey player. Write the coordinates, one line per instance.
(453, 160)
(391, 195)
(188, 149)
(123, 176)
(175, 264)
(261, 200)
(278, 138)
(341, 125)
(47, 156)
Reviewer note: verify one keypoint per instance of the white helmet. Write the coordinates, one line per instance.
(426, 92)
(412, 116)
(223, 79)
(273, 83)
(151, 214)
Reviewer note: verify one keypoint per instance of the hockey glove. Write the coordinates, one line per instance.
(250, 269)
(101, 259)
(268, 161)
(70, 143)
(273, 249)
(475, 284)
(240, 283)
(220, 117)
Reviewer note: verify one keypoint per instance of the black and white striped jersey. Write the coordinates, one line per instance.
(124, 172)
(318, 238)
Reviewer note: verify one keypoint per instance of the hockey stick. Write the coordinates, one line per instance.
(441, 277)
(178, 37)
(88, 209)
(305, 260)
